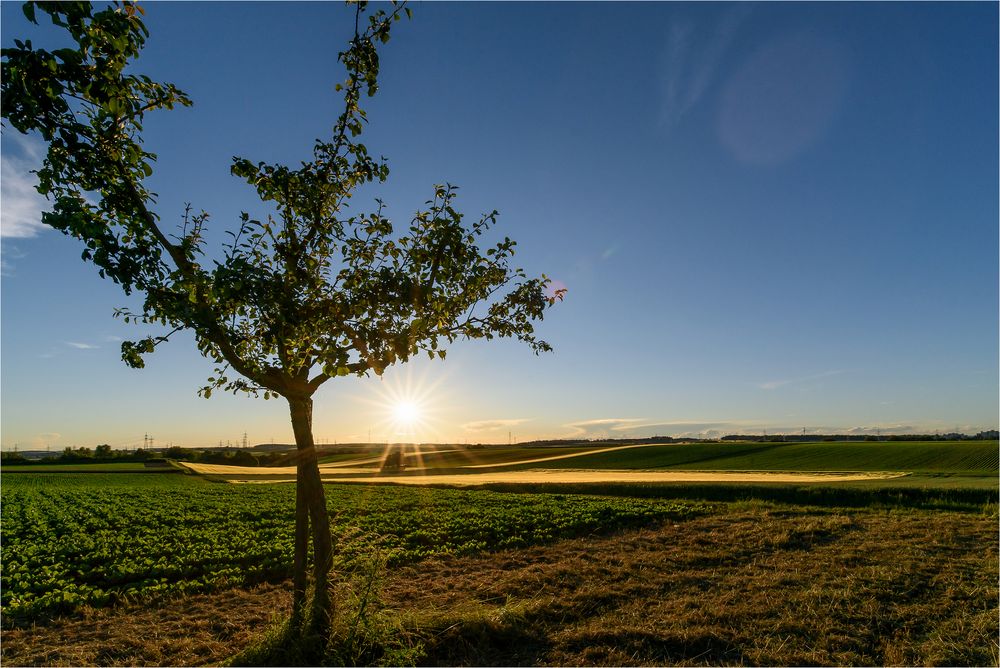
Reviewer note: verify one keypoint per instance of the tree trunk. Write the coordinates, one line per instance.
(310, 512)
(300, 575)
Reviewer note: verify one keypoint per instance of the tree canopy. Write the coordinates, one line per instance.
(307, 293)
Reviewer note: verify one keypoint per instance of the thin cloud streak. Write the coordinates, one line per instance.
(21, 206)
(8, 254)
(636, 428)
(672, 425)
(81, 346)
(493, 425)
(600, 425)
(689, 69)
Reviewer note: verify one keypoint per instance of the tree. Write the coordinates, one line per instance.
(307, 294)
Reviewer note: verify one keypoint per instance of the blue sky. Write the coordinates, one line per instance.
(773, 217)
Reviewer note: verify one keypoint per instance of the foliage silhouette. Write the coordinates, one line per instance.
(308, 294)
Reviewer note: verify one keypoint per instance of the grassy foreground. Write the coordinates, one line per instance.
(751, 583)
(587, 574)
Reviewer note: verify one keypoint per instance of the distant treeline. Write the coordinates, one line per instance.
(567, 442)
(104, 453)
(764, 438)
(991, 435)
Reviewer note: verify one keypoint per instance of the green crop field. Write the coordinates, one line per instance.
(97, 467)
(44, 481)
(96, 539)
(974, 457)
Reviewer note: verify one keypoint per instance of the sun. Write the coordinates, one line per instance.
(406, 414)
(405, 408)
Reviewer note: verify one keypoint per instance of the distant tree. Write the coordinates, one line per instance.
(306, 294)
(177, 452)
(8, 457)
(271, 459)
(103, 451)
(242, 458)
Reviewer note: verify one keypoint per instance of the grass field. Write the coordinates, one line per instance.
(942, 464)
(973, 457)
(976, 457)
(485, 578)
(888, 572)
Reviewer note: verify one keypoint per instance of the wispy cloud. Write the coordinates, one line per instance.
(681, 426)
(81, 346)
(8, 254)
(21, 206)
(601, 425)
(493, 425)
(881, 429)
(645, 428)
(637, 428)
(775, 384)
(691, 61)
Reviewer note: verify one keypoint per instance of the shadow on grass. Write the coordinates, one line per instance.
(612, 647)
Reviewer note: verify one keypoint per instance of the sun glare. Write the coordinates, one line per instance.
(404, 408)
(406, 413)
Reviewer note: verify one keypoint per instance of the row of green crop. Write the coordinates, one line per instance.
(67, 544)
(932, 456)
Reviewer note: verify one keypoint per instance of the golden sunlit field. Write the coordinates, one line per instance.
(941, 463)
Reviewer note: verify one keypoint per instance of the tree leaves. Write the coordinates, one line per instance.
(307, 288)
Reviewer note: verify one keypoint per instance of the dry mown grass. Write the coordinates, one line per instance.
(757, 585)
(196, 630)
